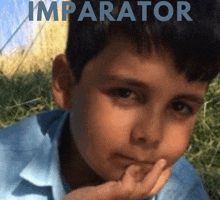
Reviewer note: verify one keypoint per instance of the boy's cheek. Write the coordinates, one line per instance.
(104, 116)
(176, 142)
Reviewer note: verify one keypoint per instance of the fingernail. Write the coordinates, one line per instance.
(162, 163)
(133, 169)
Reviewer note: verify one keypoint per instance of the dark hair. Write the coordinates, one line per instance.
(194, 45)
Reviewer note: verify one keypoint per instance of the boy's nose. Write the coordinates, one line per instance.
(148, 130)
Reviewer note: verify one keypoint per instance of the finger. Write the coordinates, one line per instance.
(132, 172)
(124, 188)
(154, 174)
(164, 177)
(131, 176)
(119, 189)
(151, 178)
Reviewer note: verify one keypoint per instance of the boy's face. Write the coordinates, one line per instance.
(131, 109)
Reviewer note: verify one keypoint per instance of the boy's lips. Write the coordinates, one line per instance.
(127, 160)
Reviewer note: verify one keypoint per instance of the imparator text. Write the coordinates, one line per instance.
(106, 7)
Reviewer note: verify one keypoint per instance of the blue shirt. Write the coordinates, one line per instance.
(29, 164)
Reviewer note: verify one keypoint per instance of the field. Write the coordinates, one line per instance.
(25, 89)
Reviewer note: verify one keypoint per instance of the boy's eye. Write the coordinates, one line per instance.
(123, 93)
(181, 107)
(124, 96)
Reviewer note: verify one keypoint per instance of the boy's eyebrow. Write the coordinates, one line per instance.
(136, 83)
(191, 97)
(130, 81)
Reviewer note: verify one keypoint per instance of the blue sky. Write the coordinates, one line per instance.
(12, 14)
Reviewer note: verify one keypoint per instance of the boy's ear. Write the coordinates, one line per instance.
(62, 82)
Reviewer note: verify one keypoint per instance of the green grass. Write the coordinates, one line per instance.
(22, 95)
(204, 151)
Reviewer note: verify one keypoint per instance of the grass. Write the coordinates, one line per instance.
(25, 74)
(23, 95)
(47, 43)
(204, 151)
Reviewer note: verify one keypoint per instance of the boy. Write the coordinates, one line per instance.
(130, 94)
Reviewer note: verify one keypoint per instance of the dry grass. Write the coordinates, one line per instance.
(50, 42)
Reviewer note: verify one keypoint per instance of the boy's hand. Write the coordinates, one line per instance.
(132, 186)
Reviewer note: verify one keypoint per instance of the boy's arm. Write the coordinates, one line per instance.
(130, 187)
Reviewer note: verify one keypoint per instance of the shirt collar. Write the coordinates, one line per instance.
(44, 168)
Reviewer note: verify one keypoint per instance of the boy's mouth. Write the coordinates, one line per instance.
(125, 161)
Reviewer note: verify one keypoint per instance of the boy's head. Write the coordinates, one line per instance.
(194, 45)
(134, 89)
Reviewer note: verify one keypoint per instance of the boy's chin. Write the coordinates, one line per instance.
(110, 175)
